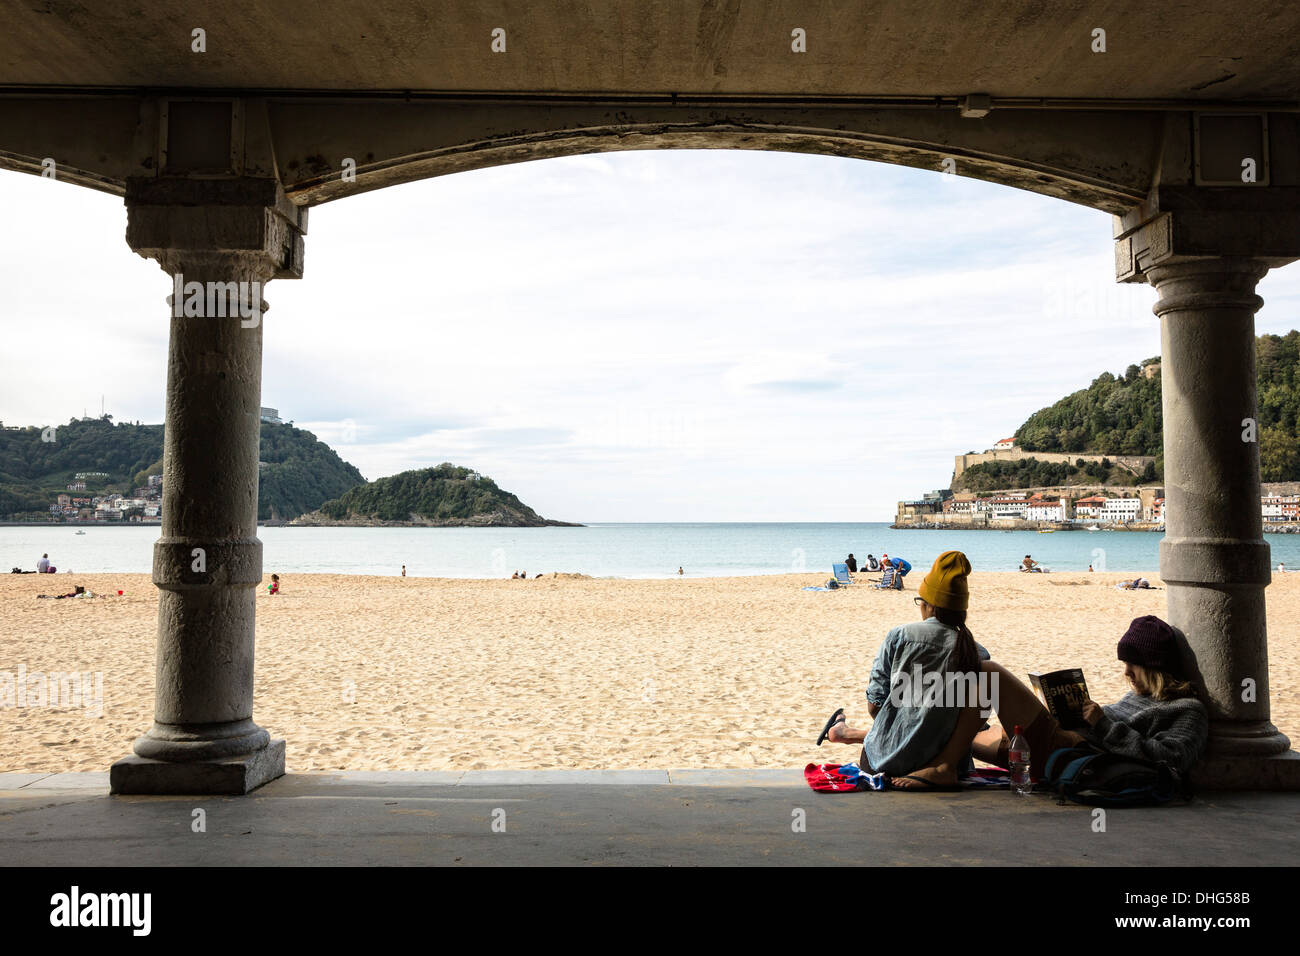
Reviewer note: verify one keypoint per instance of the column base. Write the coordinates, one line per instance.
(233, 776)
(1278, 772)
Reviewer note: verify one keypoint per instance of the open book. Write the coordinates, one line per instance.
(1063, 694)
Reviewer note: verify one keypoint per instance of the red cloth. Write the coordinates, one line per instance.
(826, 778)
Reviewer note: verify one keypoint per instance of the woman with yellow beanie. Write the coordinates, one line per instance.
(918, 741)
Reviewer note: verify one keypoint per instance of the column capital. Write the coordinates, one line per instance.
(1187, 224)
(1188, 284)
(219, 225)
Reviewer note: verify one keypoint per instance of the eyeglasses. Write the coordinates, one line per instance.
(918, 601)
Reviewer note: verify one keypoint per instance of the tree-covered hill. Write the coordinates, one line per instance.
(1112, 416)
(1121, 415)
(37, 464)
(447, 495)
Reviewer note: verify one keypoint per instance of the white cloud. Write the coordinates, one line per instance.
(658, 336)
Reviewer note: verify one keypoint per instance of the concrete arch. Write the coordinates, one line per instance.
(1102, 159)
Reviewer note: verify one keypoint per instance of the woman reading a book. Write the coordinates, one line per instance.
(921, 747)
(1161, 719)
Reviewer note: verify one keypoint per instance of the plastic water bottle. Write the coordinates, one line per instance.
(1018, 757)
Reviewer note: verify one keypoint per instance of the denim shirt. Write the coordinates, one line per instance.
(906, 738)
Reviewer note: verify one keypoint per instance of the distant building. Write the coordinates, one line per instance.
(1089, 509)
(77, 486)
(1006, 506)
(1279, 508)
(1046, 509)
(271, 415)
(155, 481)
(1120, 510)
(1006, 443)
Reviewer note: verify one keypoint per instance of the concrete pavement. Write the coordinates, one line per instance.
(686, 817)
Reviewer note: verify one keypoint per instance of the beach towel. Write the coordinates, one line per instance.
(841, 778)
(849, 778)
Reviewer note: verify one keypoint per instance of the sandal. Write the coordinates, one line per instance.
(836, 718)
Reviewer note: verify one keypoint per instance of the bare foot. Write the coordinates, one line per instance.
(942, 776)
(837, 732)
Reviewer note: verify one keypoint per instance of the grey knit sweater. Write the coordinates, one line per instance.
(1174, 731)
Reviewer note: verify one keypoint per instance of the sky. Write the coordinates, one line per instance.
(674, 335)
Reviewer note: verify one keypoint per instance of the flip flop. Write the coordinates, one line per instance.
(835, 719)
(926, 785)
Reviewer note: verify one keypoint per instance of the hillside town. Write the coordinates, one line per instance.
(143, 506)
(1090, 507)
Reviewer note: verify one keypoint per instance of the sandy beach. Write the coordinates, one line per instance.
(382, 673)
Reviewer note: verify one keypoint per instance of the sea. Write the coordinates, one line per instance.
(610, 550)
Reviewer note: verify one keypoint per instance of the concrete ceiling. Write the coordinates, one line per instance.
(1176, 50)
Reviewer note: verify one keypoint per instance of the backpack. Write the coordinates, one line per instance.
(1102, 779)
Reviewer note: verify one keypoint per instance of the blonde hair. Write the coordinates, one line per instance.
(1159, 684)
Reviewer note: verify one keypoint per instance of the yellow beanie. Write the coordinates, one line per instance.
(945, 585)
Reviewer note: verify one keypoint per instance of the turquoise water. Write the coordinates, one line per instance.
(610, 550)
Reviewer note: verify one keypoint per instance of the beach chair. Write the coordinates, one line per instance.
(887, 580)
(841, 572)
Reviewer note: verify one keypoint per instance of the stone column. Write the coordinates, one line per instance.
(219, 243)
(1214, 559)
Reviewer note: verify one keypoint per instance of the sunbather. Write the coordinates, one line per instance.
(1137, 584)
(903, 737)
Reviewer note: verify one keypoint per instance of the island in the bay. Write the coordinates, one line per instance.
(447, 496)
(1095, 459)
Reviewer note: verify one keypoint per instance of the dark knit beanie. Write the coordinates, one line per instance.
(1150, 642)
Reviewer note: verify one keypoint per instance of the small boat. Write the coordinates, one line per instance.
(1046, 530)
(81, 532)
(1093, 527)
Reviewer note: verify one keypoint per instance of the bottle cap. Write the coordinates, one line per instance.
(1016, 731)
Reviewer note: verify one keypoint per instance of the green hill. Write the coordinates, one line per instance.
(300, 474)
(447, 496)
(1121, 415)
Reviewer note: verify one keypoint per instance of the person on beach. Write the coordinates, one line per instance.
(515, 576)
(403, 570)
(680, 571)
(1137, 584)
(905, 738)
(1029, 564)
(901, 568)
(1160, 719)
(872, 564)
(43, 565)
(274, 586)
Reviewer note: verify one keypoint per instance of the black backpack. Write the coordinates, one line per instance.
(1101, 779)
